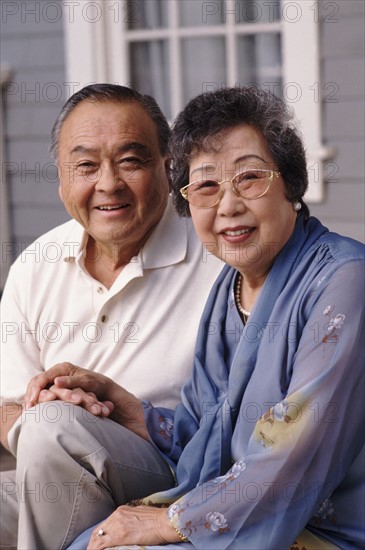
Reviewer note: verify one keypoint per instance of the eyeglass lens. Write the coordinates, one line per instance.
(249, 184)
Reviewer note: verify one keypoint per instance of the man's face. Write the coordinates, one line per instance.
(113, 178)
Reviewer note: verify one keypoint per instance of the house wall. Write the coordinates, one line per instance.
(342, 87)
(33, 45)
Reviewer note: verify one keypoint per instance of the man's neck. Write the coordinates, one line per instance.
(105, 263)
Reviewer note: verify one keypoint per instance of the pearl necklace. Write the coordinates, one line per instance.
(237, 295)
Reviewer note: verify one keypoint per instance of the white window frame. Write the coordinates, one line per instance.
(96, 31)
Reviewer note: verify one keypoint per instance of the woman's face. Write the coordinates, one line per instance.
(246, 234)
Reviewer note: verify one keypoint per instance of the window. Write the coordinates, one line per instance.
(174, 50)
(180, 49)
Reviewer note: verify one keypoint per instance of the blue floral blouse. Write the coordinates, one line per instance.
(269, 438)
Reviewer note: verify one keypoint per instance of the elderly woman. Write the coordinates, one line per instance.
(267, 445)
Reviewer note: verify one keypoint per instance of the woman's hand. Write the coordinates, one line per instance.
(77, 396)
(128, 525)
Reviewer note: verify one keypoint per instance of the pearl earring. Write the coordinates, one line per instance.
(297, 206)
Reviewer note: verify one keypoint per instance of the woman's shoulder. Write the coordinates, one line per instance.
(339, 248)
(343, 249)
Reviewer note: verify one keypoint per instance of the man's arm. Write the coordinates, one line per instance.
(9, 413)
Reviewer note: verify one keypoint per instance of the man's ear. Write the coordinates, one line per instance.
(59, 185)
(168, 168)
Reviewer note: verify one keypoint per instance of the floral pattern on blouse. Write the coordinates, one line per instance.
(216, 522)
(327, 310)
(281, 412)
(232, 473)
(213, 521)
(334, 325)
(269, 428)
(321, 280)
(326, 511)
(166, 427)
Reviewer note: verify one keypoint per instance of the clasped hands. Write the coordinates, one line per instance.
(72, 384)
(96, 393)
(103, 397)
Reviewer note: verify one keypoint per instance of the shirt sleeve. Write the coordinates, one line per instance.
(302, 447)
(20, 351)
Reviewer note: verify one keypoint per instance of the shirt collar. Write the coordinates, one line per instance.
(167, 244)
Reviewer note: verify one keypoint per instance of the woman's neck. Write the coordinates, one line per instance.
(250, 288)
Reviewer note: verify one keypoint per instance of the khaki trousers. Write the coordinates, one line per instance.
(73, 470)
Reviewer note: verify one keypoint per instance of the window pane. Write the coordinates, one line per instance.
(255, 11)
(149, 71)
(260, 61)
(217, 12)
(193, 13)
(142, 14)
(203, 65)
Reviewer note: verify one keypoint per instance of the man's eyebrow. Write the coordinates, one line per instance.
(209, 165)
(130, 146)
(133, 146)
(83, 149)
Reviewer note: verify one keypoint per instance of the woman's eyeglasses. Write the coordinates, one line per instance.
(249, 184)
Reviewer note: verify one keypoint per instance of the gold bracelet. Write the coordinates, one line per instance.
(182, 537)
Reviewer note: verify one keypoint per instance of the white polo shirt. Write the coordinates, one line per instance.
(141, 332)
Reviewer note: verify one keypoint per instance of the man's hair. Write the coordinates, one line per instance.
(112, 93)
(203, 123)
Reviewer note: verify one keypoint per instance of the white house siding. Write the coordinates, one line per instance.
(342, 63)
(32, 47)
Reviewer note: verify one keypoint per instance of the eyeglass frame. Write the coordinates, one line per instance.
(272, 173)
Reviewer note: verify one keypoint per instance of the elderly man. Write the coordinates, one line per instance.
(114, 296)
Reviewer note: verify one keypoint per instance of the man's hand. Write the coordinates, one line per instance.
(38, 389)
(140, 525)
(91, 390)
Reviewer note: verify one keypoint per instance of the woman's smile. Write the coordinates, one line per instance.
(238, 234)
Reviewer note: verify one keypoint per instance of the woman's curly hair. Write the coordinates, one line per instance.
(207, 118)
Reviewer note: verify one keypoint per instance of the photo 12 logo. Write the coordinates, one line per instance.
(120, 11)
